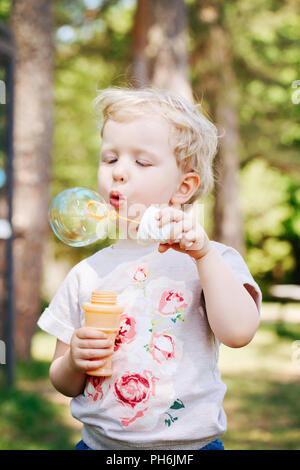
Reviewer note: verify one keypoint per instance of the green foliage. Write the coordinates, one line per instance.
(287, 330)
(264, 37)
(270, 219)
(5, 10)
(91, 54)
(96, 57)
(94, 52)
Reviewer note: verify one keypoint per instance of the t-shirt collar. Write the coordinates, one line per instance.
(114, 250)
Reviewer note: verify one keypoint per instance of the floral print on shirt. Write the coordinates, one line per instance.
(139, 274)
(147, 352)
(126, 332)
(161, 346)
(172, 303)
(133, 391)
(95, 388)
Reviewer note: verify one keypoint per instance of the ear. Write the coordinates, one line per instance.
(188, 185)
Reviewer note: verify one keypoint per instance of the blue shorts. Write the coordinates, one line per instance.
(215, 445)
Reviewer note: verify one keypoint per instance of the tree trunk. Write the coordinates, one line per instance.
(32, 26)
(160, 46)
(139, 67)
(221, 89)
(228, 224)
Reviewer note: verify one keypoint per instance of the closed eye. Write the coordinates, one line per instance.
(139, 163)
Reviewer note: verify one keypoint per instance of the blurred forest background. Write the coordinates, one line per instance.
(241, 60)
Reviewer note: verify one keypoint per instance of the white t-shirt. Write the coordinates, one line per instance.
(165, 391)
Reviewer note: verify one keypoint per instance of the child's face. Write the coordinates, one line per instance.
(138, 162)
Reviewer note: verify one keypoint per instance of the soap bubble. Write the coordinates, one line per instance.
(71, 220)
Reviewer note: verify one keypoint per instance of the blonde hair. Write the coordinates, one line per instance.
(194, 138)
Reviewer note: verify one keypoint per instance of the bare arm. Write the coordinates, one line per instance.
(64, 378)
(86, 352)
(231, 311)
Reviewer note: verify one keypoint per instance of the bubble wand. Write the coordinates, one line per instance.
(112, 214)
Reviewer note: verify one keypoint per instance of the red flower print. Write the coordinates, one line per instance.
(171, 302)
(162, 347)
(126, 332)
(133, 389)
(139, 397)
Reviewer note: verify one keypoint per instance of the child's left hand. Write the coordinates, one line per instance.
(194, 241)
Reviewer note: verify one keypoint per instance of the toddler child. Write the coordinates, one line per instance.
(181, 298)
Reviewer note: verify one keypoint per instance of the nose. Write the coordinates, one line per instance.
(120, 172)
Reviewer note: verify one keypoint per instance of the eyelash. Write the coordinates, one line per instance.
(141, 164)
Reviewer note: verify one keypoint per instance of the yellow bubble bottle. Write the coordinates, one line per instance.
(103, 313)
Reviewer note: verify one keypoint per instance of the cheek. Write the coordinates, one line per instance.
(163, 184)
(102, 178)
(156, 189)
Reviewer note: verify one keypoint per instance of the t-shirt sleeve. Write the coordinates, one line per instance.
(63, 314)
(234, 259)
(241, 270)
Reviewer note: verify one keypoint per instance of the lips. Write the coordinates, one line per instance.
(116, 199)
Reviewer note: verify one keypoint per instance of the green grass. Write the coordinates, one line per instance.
(30, 422)
(28, 418)
(262, 402)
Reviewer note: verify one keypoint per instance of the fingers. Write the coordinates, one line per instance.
(188, 239)
(167, 215)
(162, 247)
(89, 348)
(89, 359)
(195, 235)
(186, 230)
(87, 338)
(94, 343)
(90, 354)
(90, 332)
(179, 226)
(89, 365)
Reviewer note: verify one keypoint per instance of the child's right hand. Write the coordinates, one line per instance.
(88, 348)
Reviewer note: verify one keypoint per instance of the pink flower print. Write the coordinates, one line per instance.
(140, 414)
(171, 302)
(126, 332)
(140, 275)
(162, 347)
